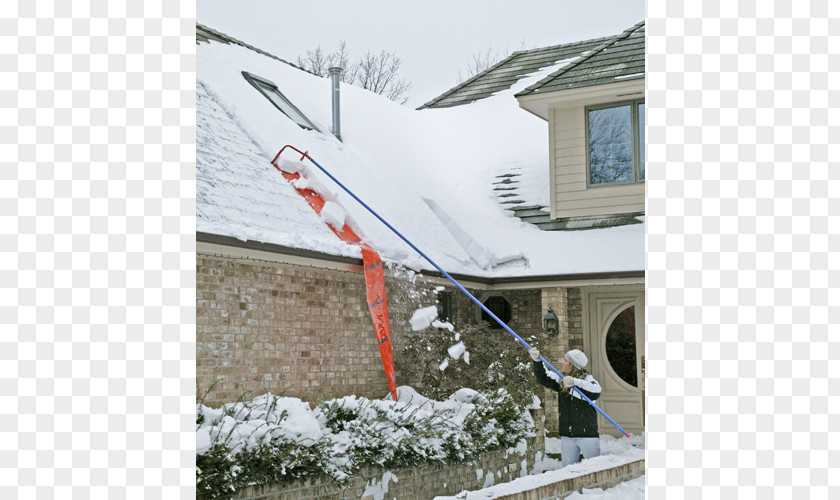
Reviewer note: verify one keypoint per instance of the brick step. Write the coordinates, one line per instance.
(569, 481)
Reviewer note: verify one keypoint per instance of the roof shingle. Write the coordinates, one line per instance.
(599, 61)
(619, 58)
(509, 70)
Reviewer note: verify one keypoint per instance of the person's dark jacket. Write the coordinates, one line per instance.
(577, 417)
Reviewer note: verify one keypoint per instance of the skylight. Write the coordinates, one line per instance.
(273, 94)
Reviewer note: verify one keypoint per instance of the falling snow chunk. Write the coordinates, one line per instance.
(467, 357)
(457, 350)
(423, 317)
(443, 366)
(447, 325)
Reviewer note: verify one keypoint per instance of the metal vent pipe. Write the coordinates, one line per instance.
(335, 73)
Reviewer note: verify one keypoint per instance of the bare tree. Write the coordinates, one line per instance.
(485, 60)
(315, 61)
(480, 62)
(319, 63)
(377, 73)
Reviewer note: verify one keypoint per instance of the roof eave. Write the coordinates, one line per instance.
(539, 104)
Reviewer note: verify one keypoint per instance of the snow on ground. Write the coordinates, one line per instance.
(614, 452)
(429, 173)
(629, 490)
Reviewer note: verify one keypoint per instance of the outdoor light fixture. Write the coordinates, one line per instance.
(550, 323)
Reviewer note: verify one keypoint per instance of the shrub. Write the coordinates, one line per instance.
(275, 440)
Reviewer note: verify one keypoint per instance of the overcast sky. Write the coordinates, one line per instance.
(434, 38)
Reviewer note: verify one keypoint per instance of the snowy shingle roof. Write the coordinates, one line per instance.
(618, 59)
(430, 174)
(508, 71)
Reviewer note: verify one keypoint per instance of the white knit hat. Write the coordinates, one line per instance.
(577, 358)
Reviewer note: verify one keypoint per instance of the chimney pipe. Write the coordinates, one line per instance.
(335, 72)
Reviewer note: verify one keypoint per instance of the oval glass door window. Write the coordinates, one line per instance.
(621, 345)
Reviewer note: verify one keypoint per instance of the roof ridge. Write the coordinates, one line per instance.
(570, 44)
(465, 83)
(248, 46)
(621, 36)
(515, 53)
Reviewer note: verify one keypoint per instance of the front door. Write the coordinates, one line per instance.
(614, 339)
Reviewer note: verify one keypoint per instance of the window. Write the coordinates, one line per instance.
(499, 306)
(273, 94)
(444, 306)
(621, 345)
(615, 139)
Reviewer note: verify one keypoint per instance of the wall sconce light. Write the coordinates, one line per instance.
(550, 324)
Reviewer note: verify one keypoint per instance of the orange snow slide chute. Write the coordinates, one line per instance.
(374, 275)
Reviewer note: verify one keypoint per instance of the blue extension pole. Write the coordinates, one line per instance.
(468, 294)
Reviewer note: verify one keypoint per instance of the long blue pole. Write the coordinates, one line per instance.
(455, 282)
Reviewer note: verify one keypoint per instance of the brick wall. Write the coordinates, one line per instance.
(291, 330)
(567, 304)
(603, 479)
(305, 332)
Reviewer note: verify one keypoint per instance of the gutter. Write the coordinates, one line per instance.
(503, 282)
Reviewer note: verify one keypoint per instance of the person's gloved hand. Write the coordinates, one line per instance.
(535, 353)
(568, 381)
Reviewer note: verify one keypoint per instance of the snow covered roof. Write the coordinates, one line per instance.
(428, 173)
(619, 58)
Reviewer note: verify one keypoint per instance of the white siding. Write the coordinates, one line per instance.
(568, 162)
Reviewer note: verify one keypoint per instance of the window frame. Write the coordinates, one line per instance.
(508, 305)
(255, 81)
(635, 132)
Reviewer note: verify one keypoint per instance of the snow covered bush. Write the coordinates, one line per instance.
(273, 439)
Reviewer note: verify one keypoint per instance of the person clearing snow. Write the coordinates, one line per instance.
(578, 427)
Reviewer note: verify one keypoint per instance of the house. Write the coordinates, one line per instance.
(595, 109)
(281, 300)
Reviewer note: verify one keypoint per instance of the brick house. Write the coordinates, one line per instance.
(281, 301)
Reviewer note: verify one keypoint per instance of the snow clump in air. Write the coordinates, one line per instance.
(423, 317)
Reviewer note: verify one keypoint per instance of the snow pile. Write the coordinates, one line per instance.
(333, 215)
(248, 425)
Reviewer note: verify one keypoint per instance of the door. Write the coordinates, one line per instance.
(614, 339)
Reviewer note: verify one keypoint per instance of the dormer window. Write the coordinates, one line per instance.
(615, 143)
(273, 94)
